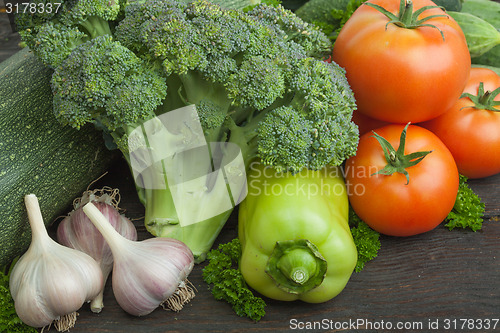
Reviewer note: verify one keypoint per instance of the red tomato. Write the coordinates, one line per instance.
(472, 133)
(389, 204)
(402, 75)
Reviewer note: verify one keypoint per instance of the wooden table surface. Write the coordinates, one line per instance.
(435, 282)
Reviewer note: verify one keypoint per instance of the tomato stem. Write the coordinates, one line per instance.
(407, 18)
(397, 161)
(484, 100)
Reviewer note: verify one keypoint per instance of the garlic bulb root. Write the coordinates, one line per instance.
(64, 323)
(107, 194)
(184, 293)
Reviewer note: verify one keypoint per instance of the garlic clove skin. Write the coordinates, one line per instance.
(78, 232)
(145, 273)
(50, 280)
(144, 279)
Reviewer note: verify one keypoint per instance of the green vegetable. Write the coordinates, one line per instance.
(489, 11)
(366, 239)
(9, 321)
(227, 282)
(490, 58)
(481, 36)
(294, 233)
(38, 154)
(468, 210)
(256, 78)
(329, 15)
(450, 5)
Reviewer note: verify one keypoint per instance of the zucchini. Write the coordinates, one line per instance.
(39, 155)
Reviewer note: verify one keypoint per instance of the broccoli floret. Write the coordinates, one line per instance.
(309, 36)
(285, 139)
(103, 82)
(257, 80)
(54, 42)
(53, 34)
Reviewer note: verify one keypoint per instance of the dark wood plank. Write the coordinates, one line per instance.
(9, 39)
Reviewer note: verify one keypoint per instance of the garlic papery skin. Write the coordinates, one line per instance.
(145, 273)
(50, 281)
(78, 232)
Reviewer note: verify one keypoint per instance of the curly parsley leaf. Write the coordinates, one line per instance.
(227, 282)
(468, 210)
(9, 321)
(365, 238)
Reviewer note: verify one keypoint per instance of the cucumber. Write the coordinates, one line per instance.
(38, 155)
(481, 36)
(488, 10)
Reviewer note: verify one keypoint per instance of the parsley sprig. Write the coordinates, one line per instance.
(468, 210)
(227, 282)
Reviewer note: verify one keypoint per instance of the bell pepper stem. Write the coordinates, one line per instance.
(296, 266)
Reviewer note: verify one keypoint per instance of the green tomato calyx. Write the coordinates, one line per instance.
(296, 266)
(397, 161)
(484, 100)
(407, 18)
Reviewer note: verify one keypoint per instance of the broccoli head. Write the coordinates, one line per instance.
(256, 77)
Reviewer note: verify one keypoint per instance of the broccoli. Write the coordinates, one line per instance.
(256, 77)
(53, 34)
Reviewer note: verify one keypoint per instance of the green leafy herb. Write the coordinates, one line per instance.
(227, 282)
(344, 15)
(333, 23)
(9, 321)
(366, 239)
(468, 210)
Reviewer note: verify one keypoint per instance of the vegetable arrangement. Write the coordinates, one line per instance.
(254, 80)
(320, 190)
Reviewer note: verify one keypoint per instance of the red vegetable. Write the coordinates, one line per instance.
(408, 71)
(471, 128)
(402, 194)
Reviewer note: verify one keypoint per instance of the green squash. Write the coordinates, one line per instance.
(38, 155)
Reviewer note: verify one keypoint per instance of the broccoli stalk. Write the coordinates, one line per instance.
(257, 81)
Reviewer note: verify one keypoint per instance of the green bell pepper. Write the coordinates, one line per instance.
(294, 234)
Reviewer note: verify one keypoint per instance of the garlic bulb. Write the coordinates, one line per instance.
(50, 282)
(78, 232)
(148, 273)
